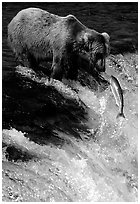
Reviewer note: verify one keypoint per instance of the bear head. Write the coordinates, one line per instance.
(94, 47)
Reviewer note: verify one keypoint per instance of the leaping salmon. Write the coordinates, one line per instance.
(118, 94)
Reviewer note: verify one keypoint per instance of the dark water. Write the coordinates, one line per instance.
(62, 141)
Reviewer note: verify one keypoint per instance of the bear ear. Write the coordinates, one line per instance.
(106, 37)
(107, 44)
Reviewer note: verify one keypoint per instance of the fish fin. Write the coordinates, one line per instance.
(120, 115)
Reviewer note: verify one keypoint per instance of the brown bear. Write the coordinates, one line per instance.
(36, 35)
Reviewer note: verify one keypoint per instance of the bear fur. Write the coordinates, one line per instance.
(36, 35)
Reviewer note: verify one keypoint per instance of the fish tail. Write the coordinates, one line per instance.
(120, 115)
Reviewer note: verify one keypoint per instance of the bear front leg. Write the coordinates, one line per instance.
(73, 67)
(57, 68)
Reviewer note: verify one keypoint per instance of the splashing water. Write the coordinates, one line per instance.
(80, 153)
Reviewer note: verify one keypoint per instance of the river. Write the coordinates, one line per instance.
(62, 141)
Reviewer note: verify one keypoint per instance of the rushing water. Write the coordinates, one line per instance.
(62, 141)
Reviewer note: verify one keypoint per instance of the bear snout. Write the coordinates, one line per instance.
(100, 65)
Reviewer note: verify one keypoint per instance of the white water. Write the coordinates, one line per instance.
(101, 166)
